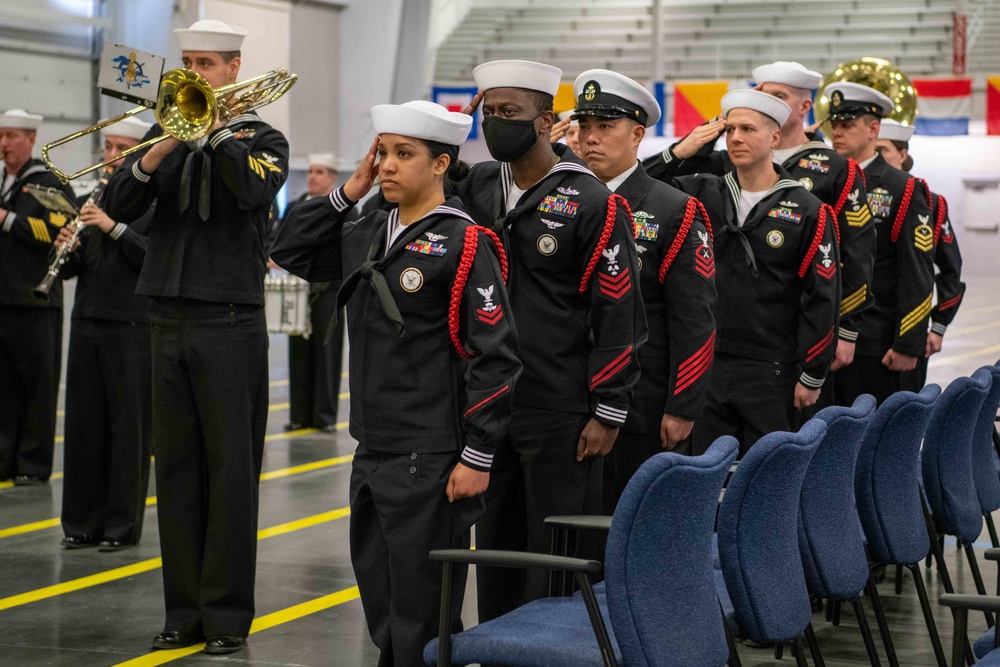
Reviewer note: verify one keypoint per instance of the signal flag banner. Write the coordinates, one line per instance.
(696, 102)
(943, 106)
(993, 105)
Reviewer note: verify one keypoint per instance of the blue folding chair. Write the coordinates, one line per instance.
(887, 491)
(950, 497)
(984, 455)
(762, 586)
(830, 538)
(658, 598)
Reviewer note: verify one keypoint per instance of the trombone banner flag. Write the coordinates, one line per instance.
(696, 102)
(129, 74)
(943, 106)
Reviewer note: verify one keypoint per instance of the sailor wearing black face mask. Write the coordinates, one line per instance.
(573, 267)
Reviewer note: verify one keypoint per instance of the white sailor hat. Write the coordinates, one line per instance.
(789, 74)
(323, 160)
(518, 74)
(850, 100)
(747, 98)
(607, 94)
(894, 130)
(20, 119)
(210, 35)
(131, 128)
(422, 120)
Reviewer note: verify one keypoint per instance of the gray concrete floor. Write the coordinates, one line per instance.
(61, 608)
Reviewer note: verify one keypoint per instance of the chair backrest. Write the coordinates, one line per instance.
(886, 479)
(758, 535)
(658, 563)
(830, 539)
(946, 458)
(983, 452)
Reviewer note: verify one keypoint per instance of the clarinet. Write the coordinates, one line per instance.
(63, 252)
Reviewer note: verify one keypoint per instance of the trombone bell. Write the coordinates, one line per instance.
(186, 105)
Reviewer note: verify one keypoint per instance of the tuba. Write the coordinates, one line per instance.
(186, 109)
(875, 73)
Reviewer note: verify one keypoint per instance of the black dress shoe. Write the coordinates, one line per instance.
(328, 428)
(172, 639)
(113, 545)
(78, 541)
(222, 644)
(294, 426)
(29, 480)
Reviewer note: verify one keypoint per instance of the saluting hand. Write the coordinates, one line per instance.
(65, 234)
(699, 136)
(474, 104)
(559, 130)
(464, 482)
(363, 178)
(92, 216)
(595, 440)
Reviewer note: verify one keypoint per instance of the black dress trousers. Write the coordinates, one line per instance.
(399, 514)
(108, 429)
(866, 375)
(747, 399)
(534, 475)
(30, 363)
(314, 366)
(210, 395)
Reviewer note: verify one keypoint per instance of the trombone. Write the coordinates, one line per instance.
(186, 109)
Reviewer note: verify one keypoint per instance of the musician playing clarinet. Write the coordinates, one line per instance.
(108, 393)
(30, 328)
(204, 269)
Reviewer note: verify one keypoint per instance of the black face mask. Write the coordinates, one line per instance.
(509, 139)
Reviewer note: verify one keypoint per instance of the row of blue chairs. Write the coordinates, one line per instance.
(802, 513)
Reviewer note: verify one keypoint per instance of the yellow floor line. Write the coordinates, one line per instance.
(980, 309)
(33, 526)
(9, 483)
(306, 467)
(938, 360)
(154, 563)
(266, 622)
(975, 328)
(151, 500)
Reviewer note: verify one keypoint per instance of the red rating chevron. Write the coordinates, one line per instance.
(490, 317)
(827, 272)
(617, 286)
(704, 265)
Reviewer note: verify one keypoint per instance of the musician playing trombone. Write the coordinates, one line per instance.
(30, 328)
(204, 269)
(108, 392)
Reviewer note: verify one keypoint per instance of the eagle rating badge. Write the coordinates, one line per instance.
(490, 313)
(826, 267)
(704, 260)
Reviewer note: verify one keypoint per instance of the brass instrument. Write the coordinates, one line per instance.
(186, 108)
(875, 73)
(62, 253)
